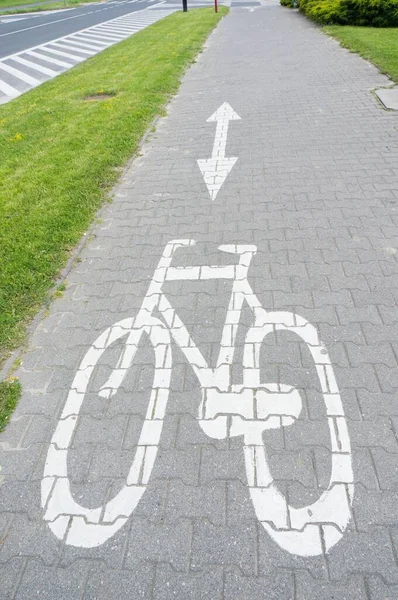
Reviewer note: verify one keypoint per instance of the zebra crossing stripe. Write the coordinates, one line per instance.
(89, 42)
(19, 74)
(98, 37)
(74, 47)
(72, 56)
(35, 66)
(113, 33)
(92, 46)
(69, 50)
(8, 90)
(49, 59)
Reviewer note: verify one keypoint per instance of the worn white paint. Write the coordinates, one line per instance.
(216, 169)
(226, 410)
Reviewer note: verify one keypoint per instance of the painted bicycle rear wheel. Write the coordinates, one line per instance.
(85, 527)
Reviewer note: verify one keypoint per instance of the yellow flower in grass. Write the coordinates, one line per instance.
(17, 137)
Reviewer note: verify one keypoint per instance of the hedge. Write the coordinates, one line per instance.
(374, 13)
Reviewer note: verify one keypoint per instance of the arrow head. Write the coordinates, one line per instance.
(224, 113)
(215, 171)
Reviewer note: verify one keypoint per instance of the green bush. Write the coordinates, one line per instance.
(325, 11)
(374, 13)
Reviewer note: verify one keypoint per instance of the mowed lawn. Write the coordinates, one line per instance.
(62, 150)
(378, 45)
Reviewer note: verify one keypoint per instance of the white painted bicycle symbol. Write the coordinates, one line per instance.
(226, 409)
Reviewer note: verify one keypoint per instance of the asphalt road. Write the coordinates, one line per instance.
(32, 30)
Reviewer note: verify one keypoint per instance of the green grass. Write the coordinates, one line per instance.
(10, 392)
(6, 6)
(378, 45)
(61, 154)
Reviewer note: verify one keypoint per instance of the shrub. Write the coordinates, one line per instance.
(375, 13)
(326, 11)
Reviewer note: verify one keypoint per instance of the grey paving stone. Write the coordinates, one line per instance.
(307, 588)
(279, 586)
(374, 508)
(199, 586)
(158, 542)
(271, 557)
(103, 583)
(197, 502)
(380, 590)
(10, 573)
(364, 553)
(26, 538)
(39, 581)
(388, 97)
(215, 545)
(20, 464)
(386, 466)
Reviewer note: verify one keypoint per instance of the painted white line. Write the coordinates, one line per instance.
(35, 66)
(92, 42)
(216, 169)
(19, 74)
(116, 28)
(95, 47)
(48, 59)
(8, 90)
(112, 35)
(81, 31)
(71, 46)
(98, 37)
(66, 19)
(42, 25)
(60, 53)
(117, 33)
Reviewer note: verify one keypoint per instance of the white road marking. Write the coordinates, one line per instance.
(66, 19)
(35, 66)
(77, 43)
(117, 28)
(8, 90)
(77, 47)
(226, 410)
(49, 59)
(42, 25)
(74, 57)
(74, 47)
(97, 37)
(215, 170)
(91, 41)
(19, 74)
(116, 33)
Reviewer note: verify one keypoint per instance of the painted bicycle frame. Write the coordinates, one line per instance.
(226, 410)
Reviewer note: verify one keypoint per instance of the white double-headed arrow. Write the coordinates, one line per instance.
(216, 169)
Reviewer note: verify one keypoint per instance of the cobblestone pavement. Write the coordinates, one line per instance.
(315, 190)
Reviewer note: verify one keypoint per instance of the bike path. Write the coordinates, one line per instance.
(297, 161)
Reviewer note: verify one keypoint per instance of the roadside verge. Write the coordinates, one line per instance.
(377, 44)
(63, 146)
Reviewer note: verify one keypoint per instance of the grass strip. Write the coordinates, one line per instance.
(10, 392)
(7, 7)
(36, 4)
(378, 45)
(62, 146)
